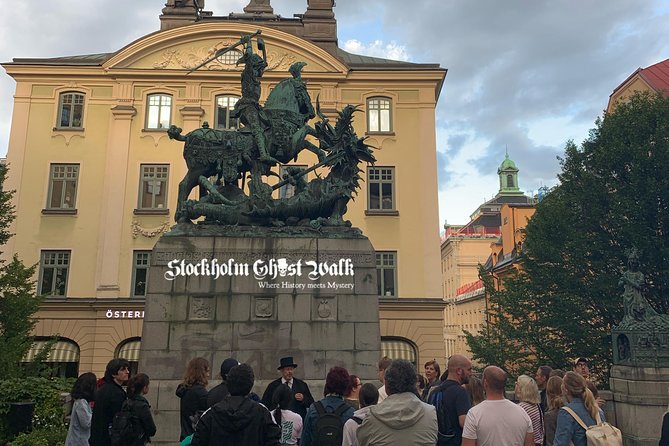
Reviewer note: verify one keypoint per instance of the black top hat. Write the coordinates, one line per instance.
(287, 362)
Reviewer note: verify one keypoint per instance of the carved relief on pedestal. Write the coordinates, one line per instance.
(201, 308)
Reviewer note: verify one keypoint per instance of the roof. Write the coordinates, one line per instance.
(656, 76)
(354, 61)
(84, 59)
(369, 62)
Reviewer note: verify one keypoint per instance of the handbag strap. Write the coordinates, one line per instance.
(575, 417)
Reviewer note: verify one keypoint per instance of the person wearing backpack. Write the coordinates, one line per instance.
(193, 394)
(402, 418)
(368, 397)
(108, 401)
(582, 403)
(324, 422)
(145, 428)
(452, 401)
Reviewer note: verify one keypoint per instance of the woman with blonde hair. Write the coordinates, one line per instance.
(554, 401)
(193, 394)
(581, 400)
(527, 394)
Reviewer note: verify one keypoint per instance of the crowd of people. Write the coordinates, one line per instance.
(553, 408)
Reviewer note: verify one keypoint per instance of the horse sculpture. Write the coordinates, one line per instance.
(231, 154)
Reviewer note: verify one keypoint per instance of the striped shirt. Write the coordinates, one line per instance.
(534, 411)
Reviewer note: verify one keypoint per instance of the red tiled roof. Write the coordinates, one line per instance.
(657, 76)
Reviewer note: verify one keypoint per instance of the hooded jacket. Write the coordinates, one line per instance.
(400, 420)
(193, 400)
(237, 421)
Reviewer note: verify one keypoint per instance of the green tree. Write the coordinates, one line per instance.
(613, 195)
(18, 302)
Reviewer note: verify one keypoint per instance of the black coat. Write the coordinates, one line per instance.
(237, 421)
(193, 400)
(139, 407)
(217, 394)
(299, 386)
(108, 401)
(664, 440)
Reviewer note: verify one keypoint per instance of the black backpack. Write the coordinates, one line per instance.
(329, 427)
(125, 429)
(446, 432)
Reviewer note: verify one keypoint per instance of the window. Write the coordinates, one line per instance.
(509, 181)
(231, 57)
(159, 111)
(71, 110)
(288, 190)
(386, 273)
(140, 272)
(378, 115)
(224, 106)
(381, 188)
(153, 186)
(63, 186)
(53, 272)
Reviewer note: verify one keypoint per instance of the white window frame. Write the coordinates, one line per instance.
(386, 260)
(379, 114)
(230, 123)
(157, 106)
(56, 260)
(141, 260)
(71, 100)
(149, 180)
(378, 176)
(67, 175)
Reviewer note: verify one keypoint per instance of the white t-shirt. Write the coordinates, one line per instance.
(497, 423)
(382, 393)
(291, 426)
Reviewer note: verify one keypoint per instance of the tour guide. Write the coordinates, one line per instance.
(302, 398)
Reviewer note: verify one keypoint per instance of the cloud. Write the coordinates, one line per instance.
(377, 48)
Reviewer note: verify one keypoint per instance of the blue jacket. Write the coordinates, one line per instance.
(568, 428)
(331, 403)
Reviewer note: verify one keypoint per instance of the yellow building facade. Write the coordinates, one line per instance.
(494, 229)
(96, 175)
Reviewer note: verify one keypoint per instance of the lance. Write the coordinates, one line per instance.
(302, 173)
(222, 51)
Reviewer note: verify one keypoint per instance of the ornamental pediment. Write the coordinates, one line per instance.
(187, 47)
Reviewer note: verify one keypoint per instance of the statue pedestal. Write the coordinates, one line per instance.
(247, 313)
(640, 399)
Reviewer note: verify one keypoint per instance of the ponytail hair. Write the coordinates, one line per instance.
(577, 387)
(281, 400)
(554, 392)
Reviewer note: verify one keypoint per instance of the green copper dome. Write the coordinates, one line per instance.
(507, 164)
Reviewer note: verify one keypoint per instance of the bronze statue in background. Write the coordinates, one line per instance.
(220, 161)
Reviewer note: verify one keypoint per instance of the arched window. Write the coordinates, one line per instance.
(399, 348)
(509, 181)
(71, 110)
(158, 111)
(129, 349)
(62, 359)
(378, 115)
(231, 57)
(224, 107)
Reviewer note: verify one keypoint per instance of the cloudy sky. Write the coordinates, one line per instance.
(526, 75)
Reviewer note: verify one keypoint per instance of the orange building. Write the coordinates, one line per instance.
(654, 78)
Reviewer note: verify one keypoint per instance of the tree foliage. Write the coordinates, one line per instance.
(613, 195)
(18, 302)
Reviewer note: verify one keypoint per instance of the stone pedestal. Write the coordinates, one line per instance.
(249, 314)
(640, 399)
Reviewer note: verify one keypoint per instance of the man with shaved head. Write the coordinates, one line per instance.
(452, 401)
(497, 421)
